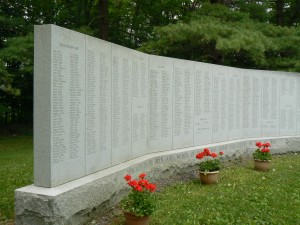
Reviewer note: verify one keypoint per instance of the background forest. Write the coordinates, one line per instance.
(246, 34)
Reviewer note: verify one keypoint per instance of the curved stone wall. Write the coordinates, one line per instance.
(98, 105)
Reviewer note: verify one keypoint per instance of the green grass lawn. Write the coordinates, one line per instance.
(16, 170)
(242, 196)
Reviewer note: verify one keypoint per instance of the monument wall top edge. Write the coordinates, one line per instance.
(60, 27)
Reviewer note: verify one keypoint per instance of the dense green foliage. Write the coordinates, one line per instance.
(242, 196)
(16, 170)
(259, 155)
(262, 152)
(242, 33)
(216, 34)
(141, 200)
(139, 203)
(210, 165)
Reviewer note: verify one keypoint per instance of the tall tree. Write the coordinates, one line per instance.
(103, 19)
(224, 2)
(284, 12)
(279, 14)
(132, 21)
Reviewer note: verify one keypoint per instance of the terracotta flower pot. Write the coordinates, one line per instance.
(131, 219)
(262, 165)
(209, 177)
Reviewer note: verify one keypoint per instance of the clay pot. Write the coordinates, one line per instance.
(209, 177)
(131, 219)
(262, 165)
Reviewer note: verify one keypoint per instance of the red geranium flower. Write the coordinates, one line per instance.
(127, 177)
(266, 145)
(142, 175)
(151, 187)
(138, 188)
(143, 182)
(200, 155)
(265, 150)
(221, 153)
(206, 151)
(258, 144)
(214, 155)
(132, 183)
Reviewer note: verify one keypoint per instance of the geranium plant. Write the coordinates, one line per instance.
(140, 201)
(209, 160)
(262, 152)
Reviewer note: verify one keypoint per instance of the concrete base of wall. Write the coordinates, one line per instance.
(77, 201)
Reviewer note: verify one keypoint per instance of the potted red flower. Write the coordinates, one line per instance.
(140, 202)
(262, 156)
(209, 166)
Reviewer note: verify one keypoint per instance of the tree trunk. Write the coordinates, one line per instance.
(279, 12)
(296, 14)
(103, 21)
(215, 1)
(6, 118)
(13, 114)
(223, 2)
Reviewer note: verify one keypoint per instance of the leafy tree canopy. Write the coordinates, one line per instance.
(217, 34)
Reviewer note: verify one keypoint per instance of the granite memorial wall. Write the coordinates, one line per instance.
(97, 104)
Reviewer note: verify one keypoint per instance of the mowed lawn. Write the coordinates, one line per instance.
(242, 196)
(16, 170)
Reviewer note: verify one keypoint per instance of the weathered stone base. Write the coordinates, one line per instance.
(77, 201)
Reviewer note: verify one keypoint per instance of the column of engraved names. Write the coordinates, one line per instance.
(207, 94)
(203, 94)
(116, 125)
(288, 108)
(270, 103)
(266, 99)
(90, 103)
(58, 109)
(256, 102)
(235, 103)
(143, 91)
(126, 122)
(217, 103)
(246, 102)
(238, 103)
(153, 105)
(139, 89)
(224, 109)
(232, 104)
(274, 99)
(165, 104)
(104, 105)
(135, 94)
(75, 104)
(178, 101)
(292, 111)
(220, 103)
(188, 109)
(283, 112)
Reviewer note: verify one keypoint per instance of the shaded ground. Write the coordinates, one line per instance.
(16, 129)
